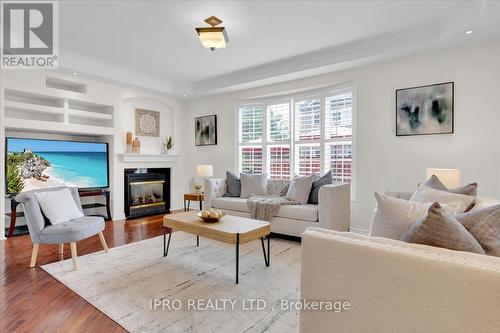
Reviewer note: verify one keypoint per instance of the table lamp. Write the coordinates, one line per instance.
(449, 177)
(204, 170)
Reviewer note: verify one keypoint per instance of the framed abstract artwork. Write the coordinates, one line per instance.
(205, 130)
(425, 110)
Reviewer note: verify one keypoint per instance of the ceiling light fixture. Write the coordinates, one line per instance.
(468, 32)
(75, 73)
(213, 37)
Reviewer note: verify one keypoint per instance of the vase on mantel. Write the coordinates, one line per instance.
(136, 146)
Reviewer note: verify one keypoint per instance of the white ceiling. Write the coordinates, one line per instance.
(157, 42)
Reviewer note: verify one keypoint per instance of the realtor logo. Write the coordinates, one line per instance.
(29, 35)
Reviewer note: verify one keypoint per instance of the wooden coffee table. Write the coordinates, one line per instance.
(230, 229)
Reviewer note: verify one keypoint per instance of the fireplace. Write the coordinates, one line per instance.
(147, 192)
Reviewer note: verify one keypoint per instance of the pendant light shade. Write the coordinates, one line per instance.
(213, 37)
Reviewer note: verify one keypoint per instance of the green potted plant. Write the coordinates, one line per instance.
(169, 144)
(15, 183)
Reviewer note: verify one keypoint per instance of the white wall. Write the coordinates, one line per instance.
(124, 102)
(385, 161)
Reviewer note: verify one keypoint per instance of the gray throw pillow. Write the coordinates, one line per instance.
(484, 226)
(316, 185)
(441, 229)
(435, 183)
(233, 185)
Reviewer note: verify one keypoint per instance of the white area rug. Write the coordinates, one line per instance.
(124, 283)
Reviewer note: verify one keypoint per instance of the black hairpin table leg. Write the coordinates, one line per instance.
(267, 255)
(237, 256)
(165, 244)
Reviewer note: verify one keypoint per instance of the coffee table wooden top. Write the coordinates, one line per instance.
(225, 230)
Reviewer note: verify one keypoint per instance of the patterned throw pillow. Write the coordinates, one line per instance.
(58, 206)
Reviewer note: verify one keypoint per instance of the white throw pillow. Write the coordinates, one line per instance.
(253, 185)
(300, 188)
(459, 202)
(392, 215)
(58, 206)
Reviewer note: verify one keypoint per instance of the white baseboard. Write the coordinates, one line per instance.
(360, 231)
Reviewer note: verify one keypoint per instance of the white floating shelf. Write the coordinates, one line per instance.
(90, 115)
(34, 107)
(130, 157)
(55, 127)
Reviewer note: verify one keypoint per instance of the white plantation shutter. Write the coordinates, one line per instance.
(339, 160)
(278, 131)
(251, 124)
(338, 136)
(279, 162)
(250, 139)
(278, 122)
(250, 159)
(308, 120)
(307, 159)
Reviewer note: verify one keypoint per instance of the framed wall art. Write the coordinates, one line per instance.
(205, 130)
(425, 110)
(147, 123)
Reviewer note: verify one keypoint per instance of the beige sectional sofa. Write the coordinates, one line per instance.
(332, 212)
(393, 286)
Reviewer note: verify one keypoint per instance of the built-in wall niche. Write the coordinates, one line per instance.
(24, 105)
(61, 84)
(43, 113)
(86, 113)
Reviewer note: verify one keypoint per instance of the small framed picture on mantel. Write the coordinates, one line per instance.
(205, 130)
(425, 110)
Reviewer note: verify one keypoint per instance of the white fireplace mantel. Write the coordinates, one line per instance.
(131, 157)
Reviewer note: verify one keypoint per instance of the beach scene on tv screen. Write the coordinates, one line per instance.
(34, 164)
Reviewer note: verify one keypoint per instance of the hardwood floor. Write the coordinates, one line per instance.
(33, 301)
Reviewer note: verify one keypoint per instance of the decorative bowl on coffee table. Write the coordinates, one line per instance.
(209, 219)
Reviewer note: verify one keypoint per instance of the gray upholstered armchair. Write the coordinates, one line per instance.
(42, 232)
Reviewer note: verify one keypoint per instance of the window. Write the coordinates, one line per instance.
(299, 135)
(278, 140)
(338, 136)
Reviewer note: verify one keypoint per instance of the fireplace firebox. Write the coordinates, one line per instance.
(147, 192)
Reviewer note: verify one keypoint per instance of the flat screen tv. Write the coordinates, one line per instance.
(39, 163)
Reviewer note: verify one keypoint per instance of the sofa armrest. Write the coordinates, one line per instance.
(394, 286)
(213, 188)
(335, 206)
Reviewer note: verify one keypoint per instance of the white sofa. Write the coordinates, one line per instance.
(393, 286)
(332, 212)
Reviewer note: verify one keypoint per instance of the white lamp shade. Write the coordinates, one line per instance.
(205, 170)
(449, 177)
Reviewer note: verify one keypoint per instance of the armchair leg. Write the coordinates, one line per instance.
(61, 248)
(103, 242)
(73, 255)
(34, 254)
